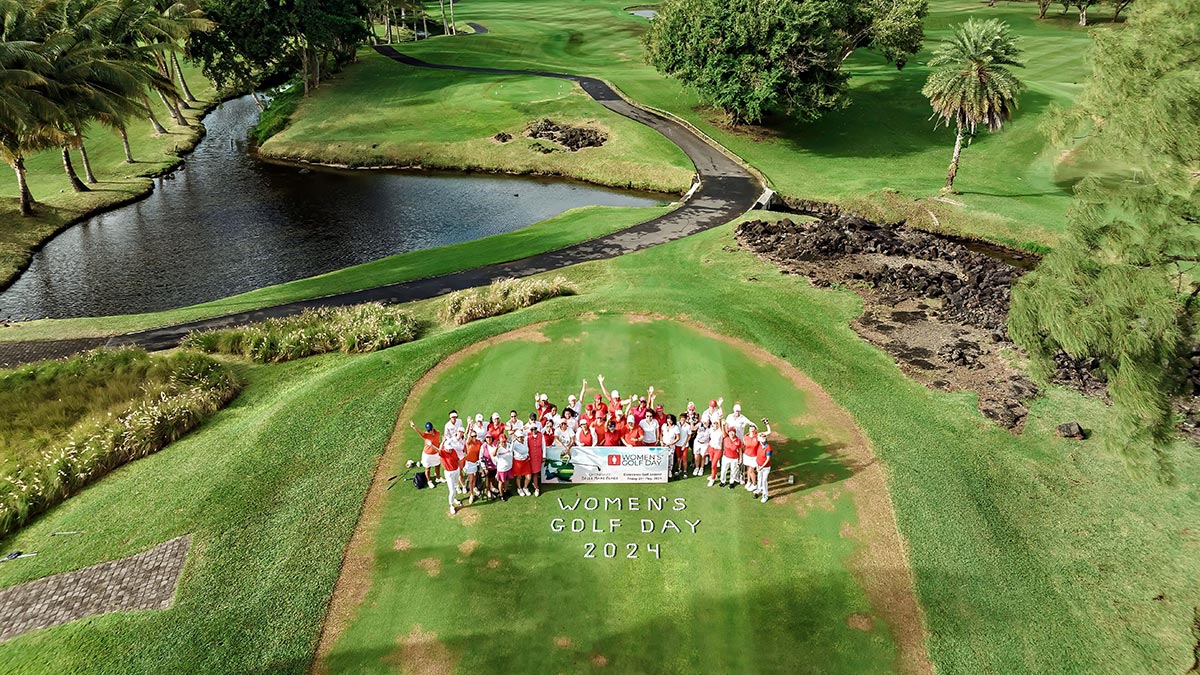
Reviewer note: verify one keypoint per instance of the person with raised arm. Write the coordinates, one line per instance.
(750, 447)
(700, 445)
(764, 460)
(713, 413)
(429, 454)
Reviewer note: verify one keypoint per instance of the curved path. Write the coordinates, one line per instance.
(726, 191)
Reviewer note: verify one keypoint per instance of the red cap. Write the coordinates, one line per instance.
(658, 408)
(712, 403)
(589, 407)
(598, 397)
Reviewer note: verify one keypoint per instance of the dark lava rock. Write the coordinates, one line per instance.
(1070, 430)
(503, 137)
(977, 293)
(571, 138)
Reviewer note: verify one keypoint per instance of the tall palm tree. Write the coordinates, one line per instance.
(970, 85)
(27, 114)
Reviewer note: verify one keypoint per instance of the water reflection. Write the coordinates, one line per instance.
(229, 223)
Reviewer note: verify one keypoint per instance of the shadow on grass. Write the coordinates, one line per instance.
(520, 610)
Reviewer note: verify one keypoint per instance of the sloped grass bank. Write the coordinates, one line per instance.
(70, 422)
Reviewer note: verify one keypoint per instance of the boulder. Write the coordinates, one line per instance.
(1071, 430)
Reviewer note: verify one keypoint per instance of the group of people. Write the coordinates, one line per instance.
(481, 458)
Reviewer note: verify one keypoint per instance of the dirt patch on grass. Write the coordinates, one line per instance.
(599, 660)
(881, 564)
(563, 642)
(468, 547)
(467, 517)
(421, 653)
(493, 564)
(432, 566)
(861, 622)
(358, 560)
(401, 544)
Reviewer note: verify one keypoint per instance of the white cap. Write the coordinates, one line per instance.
(571, 398)
(737, 407)
(691, 405)
(615, 394)
(495, 415)
(753, 425)
(478, 417)
(544, 397)
(762, 438)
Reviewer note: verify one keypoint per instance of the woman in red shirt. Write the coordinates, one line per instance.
(633, 433)
(764, 461)
(612, 437)
(730, 456)
(750, 447)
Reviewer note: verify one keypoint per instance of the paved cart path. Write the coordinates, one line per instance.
(726, 191)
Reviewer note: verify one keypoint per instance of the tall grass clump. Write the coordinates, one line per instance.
(192, 387)
(501, 297)
(358, 328)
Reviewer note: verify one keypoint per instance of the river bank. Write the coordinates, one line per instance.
(120, 184)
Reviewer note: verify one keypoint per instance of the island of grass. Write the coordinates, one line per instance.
(881, 156)
(1024, 549)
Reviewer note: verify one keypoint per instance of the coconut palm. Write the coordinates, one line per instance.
(28, 116)
(970, 85)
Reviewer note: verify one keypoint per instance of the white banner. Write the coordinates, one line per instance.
(606, 465)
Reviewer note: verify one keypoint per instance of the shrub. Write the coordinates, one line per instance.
(197, 386)
(501, 297)
(358, 328)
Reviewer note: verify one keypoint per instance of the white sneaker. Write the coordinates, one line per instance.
(452, 510)
(764, 499)
(710, 482)
(471, 500)
(457, 503)
(537, 493)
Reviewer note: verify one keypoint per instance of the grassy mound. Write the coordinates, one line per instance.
(501, 297)
(72, 421)
(361, 328)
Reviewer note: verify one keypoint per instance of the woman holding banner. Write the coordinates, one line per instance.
(669, 440)
(537, 452)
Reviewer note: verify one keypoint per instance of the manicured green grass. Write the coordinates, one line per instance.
(1014, 187)
(58, 205)
(554, 233)
(1030, 553)
(751, 574)
(43, 402)
(380, 112)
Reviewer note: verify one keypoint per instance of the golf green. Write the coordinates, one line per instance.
(721, 583)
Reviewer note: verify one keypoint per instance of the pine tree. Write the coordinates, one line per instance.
(1123, 285)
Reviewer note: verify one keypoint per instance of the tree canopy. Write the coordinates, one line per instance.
(750, 57)
(1123, 285)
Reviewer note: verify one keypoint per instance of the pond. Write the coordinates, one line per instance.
(229, 222)
(647, 13)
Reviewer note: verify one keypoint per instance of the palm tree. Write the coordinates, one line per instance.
(27, 114)
(970, 85)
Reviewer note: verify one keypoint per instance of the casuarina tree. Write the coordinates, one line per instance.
(1122, 288)
(970, 85)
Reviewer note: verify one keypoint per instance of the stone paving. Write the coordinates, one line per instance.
(146, 580)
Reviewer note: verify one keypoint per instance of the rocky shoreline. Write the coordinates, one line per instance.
(937, 307)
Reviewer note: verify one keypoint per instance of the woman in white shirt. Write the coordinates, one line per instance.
(502, 455)
(670, 439)
(700, 447)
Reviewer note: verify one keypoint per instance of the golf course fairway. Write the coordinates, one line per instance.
(495, 588)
